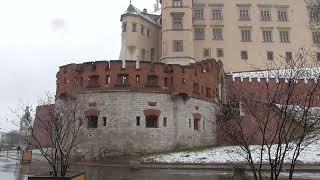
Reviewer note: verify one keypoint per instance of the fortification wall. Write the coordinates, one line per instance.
(199, 80)
(258, 87)
(122, 134)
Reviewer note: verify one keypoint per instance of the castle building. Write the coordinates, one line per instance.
(243, 34)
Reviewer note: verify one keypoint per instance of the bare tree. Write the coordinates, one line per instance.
(313, 7)
(55, 130)
(275, 112)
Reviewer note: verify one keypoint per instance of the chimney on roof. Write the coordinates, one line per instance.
(145, 11)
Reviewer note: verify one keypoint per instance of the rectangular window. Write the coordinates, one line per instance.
(137, 79)
(288, 56)
(244, 55)
(152, 122)
(217, 34)
(199, 33)
(190, 123)
(165, 122)
(148, 32)
(245, 35)
(92, 122)
(316, 37)
(152, 54)
(283, 14)
(142, 29)
(177, 3)
(104, 121)
(177, 22)
(284, 36)
(178, 46)
(220, 53)
(267, 35)
(265, 15)
(108, 79)
(206, 52)
(314, 17)
(198, 13)
(270, 55)
(134, 27)
(244, 14)
(124, 27)
(138, 121)
(217, 14)
(318, 56)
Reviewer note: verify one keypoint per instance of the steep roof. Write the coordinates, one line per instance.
(132, 10)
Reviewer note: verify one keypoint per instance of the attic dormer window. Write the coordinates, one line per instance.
(177, 3)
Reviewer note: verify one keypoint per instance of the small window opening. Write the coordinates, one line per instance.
(138, 121)
(165, 122)
(92, 121)
(152, 122)
(104, 121)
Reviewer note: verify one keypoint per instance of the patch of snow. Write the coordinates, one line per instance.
(232, 154)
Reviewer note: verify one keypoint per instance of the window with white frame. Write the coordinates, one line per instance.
(284, 36)
(177, 3)
(217, 33)
(244, 55)
(245, 35)
(206, 52)
(244, 13)
(177, 45)
(265, 14)
(217, 13)
(316, 37)
(177, 21)
(314, 17)
(198, 13)
(288, 56)
(270, 55)
(220, 53)
(267, 35)
(283, 14)
(199, 33)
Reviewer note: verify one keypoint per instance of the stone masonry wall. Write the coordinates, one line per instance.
(122, 135)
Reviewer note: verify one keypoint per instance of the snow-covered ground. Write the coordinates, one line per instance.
(231, 154)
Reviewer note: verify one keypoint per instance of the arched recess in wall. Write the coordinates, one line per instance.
(152, 118)
(92, 116)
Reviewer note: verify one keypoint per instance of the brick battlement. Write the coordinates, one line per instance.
(199, 80)
(270, 80)
(259, 87)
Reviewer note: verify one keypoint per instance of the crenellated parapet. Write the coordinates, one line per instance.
(199, 80)
(258, 87)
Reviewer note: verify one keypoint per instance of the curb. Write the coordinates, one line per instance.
(225, 167)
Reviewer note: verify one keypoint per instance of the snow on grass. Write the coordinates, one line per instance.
(232, 154)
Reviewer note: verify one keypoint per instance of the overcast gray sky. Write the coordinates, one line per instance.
(38, 36)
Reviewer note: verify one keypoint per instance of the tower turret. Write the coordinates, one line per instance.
(177, 32)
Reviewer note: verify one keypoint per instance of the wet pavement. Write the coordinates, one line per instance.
(10, 169)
